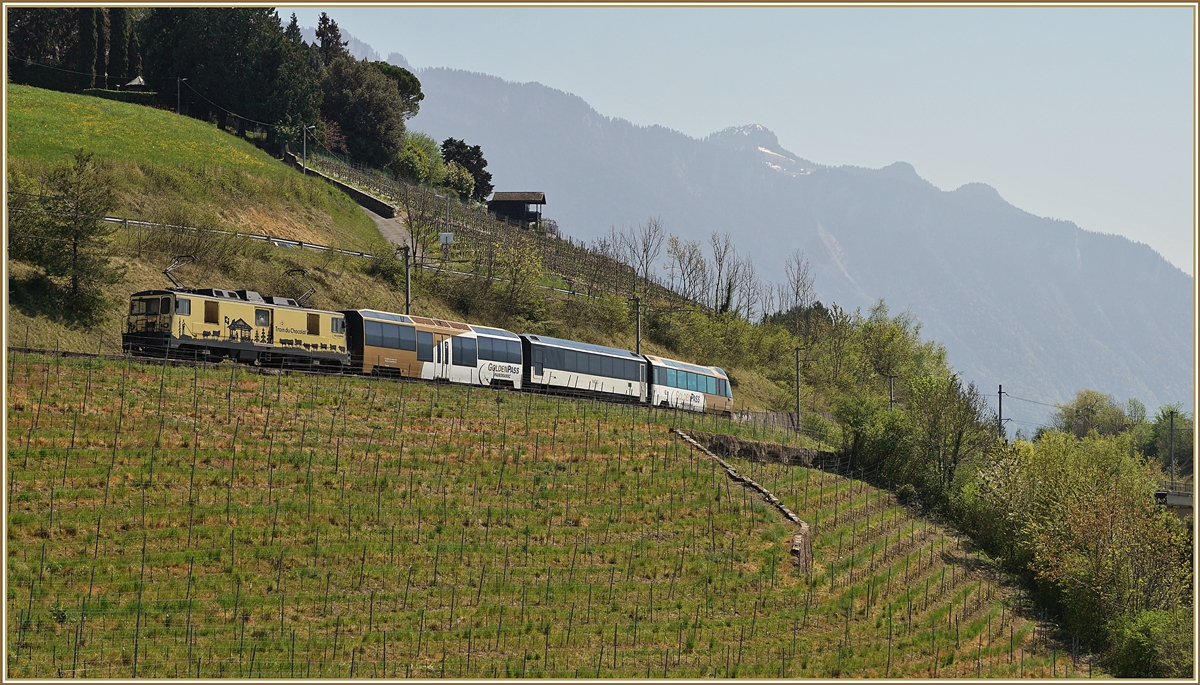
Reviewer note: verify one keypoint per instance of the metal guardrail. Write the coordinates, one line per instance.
(1176, 487)
(278, 242)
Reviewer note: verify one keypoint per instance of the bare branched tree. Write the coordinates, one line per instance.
(800, 292)
(645, 245)
(724, 257)
(748, 289)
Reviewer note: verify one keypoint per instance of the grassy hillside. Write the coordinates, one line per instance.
(165, 166)
(213, 522)
(182, 171)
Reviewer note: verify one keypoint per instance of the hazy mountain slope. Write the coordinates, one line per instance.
(1036, 304)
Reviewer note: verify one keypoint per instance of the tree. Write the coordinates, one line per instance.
(329, 40)
(644, 246)
(101, 56)
(295, 92)
(368, 108)
(85, 49)
(43, 34)
(57, 227)
(420, 161)
(293, 34)
(459, 179)
(471, 157)
(408, 85)
(118, 44)
(1090, 410)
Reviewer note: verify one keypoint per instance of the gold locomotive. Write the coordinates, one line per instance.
(212, 324)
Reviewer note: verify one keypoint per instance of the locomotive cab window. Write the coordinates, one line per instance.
(212, 312)
(164, 306)
(183, 306)
(337, 325)
(314, 324)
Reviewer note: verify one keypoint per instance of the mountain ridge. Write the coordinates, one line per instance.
(1035, 303)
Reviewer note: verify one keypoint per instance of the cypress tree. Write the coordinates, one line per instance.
(118, 43)
(102, 46)
(85, 49)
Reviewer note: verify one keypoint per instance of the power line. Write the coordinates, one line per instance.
(1014, 397)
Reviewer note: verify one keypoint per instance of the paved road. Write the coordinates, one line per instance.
(391, 229)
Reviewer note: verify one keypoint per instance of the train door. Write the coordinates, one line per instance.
(643, 385)
(442, 357)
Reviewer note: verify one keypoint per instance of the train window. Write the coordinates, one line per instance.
(424, 346)
(514, 351)
(408, 338)
(151, 307)
(660, 376)
(262, 317)
(212, 312)
(391, 336)
(485, 349)
(554, 357)
(464, 351)
(606, 366)
(641, 372)
(183, 306)
(691, 380)
(570, 361)
(721, 387)
(314, 324)
(337, 325)
(671, 378)
(535, 353)
(165, 305)
(632, 370)
(712, 385)
(373, 333)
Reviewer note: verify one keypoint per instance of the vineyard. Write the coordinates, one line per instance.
(210, 521)
(578, 268)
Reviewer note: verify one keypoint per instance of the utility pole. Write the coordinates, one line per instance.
(306, 130)
(407, 281)
(797, 390)
(637, 306)
(798, 360)
(1000, 414)
(1171, 449)
(178, 82)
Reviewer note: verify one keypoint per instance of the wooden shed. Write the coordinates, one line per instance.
(524, 208)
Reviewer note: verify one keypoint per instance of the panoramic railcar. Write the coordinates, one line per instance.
(212, 324)
(383, 343)
(584, 368)
(679, 385)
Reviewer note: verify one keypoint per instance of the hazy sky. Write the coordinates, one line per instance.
(1084, 114)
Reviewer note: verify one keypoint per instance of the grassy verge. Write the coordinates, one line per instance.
(210, 522)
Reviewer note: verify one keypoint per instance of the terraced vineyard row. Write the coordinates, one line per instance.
(171, 521)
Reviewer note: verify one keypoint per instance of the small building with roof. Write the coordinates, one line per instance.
(523, 208)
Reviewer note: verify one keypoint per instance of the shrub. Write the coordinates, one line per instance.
(1152, 644)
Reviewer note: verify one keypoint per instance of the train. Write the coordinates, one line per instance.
(213, 324)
